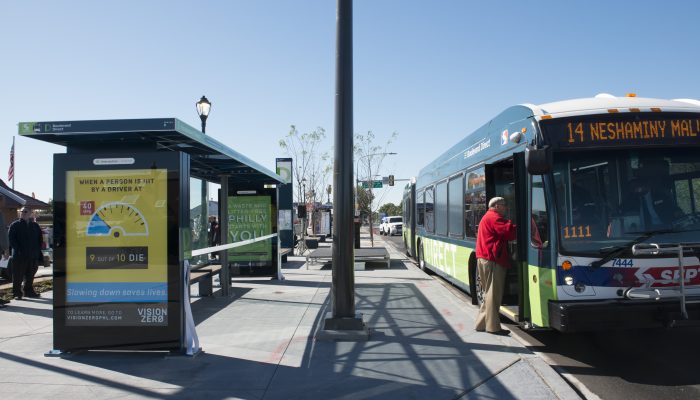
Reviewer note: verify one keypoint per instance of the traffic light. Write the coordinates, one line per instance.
(391, 180)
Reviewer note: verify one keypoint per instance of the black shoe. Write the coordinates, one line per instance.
(17, 297)
(33, 295)
(3, 301)
(502, 332)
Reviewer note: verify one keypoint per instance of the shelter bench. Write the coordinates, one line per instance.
(362, 254)
(204, 276)
(284, 251)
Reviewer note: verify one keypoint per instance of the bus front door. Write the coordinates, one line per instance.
(507, 179)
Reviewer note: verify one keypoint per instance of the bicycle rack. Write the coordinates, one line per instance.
(656, 249)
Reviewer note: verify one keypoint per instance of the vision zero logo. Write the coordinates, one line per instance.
(152, 315)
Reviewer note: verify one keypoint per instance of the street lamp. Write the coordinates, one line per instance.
(203, 107)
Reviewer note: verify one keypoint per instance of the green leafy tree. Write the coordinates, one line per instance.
(390, 209)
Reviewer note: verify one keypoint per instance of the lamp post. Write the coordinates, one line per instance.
(303, 220)
(203, 108)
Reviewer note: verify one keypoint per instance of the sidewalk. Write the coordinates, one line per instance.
(259, 344)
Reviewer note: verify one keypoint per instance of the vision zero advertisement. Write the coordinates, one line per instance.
(116, 248)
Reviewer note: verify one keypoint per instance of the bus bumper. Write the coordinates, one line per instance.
(579, 316)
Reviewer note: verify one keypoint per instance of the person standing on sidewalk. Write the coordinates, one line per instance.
(492, 261)
(36, 239)
(4, 253)
(23, 257)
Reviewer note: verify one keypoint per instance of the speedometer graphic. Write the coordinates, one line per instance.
(117, 219)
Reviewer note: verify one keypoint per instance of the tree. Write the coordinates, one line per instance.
(368, 162)
(312, 167)
(390, 209)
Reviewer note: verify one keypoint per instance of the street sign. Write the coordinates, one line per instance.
(375, 184)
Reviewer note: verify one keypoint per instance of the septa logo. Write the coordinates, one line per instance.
(668, 276)
(504, 137)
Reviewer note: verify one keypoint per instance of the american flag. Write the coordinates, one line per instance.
(11, 170)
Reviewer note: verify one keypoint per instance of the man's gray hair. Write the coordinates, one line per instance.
(496, 200)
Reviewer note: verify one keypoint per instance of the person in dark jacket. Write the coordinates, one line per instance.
(23, 244)
(36, 238)
(4, 253)
(492, 261)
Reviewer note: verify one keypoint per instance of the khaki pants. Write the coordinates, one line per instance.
(493, 278)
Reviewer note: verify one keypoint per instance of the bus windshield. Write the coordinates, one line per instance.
(610, 198)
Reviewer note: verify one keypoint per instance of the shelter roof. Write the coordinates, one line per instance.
(210, 159)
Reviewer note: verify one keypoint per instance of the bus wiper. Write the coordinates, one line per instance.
(617, 250)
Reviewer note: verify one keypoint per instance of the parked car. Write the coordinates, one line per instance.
(392, 225)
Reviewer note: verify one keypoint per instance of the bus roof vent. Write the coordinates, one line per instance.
(604, 96)
(691, 101)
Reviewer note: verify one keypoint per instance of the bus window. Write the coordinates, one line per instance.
(539, 222)
(441, 209)
(455, 219)
(609, 199)
(420, 205)
(429, 210)
(474, 201)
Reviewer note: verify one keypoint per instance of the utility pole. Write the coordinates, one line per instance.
(343, 323)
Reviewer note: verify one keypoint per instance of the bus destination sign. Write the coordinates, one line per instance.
(623, 130)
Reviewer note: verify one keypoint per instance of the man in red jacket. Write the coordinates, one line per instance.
(492, 261)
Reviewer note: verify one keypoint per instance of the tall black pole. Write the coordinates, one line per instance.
(343, 285)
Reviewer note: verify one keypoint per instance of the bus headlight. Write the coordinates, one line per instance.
(580, 287)
(569, 280)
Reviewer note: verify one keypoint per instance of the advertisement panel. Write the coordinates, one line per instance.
(250, 217)
(116, 248)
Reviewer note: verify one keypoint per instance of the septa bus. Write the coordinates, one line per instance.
(605, 192)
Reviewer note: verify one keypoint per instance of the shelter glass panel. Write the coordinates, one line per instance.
(199, 224)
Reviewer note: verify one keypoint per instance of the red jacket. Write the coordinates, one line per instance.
(492, 238)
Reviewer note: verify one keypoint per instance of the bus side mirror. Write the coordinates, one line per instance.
(538, 160)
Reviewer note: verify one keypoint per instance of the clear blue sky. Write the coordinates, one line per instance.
(433, 71)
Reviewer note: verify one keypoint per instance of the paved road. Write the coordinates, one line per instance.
(640, 364)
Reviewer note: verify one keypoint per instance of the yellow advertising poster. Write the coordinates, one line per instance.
(116, 239)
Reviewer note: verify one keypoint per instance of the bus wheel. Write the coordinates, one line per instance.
(421, 258)
(475, 288)
(479, 291)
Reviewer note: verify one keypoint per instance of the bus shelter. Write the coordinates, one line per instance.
(131, 216)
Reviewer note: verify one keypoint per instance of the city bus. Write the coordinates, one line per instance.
(605, 192)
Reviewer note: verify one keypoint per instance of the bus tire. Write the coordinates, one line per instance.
(476, 292)
(421, 258)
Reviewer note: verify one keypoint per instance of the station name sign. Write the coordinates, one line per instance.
(623, 130)
(82, 127)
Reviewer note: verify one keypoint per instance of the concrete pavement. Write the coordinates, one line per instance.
(260, 344)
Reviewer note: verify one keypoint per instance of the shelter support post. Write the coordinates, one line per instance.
(223, 226)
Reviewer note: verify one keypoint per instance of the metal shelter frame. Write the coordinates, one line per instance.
(208, 160)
